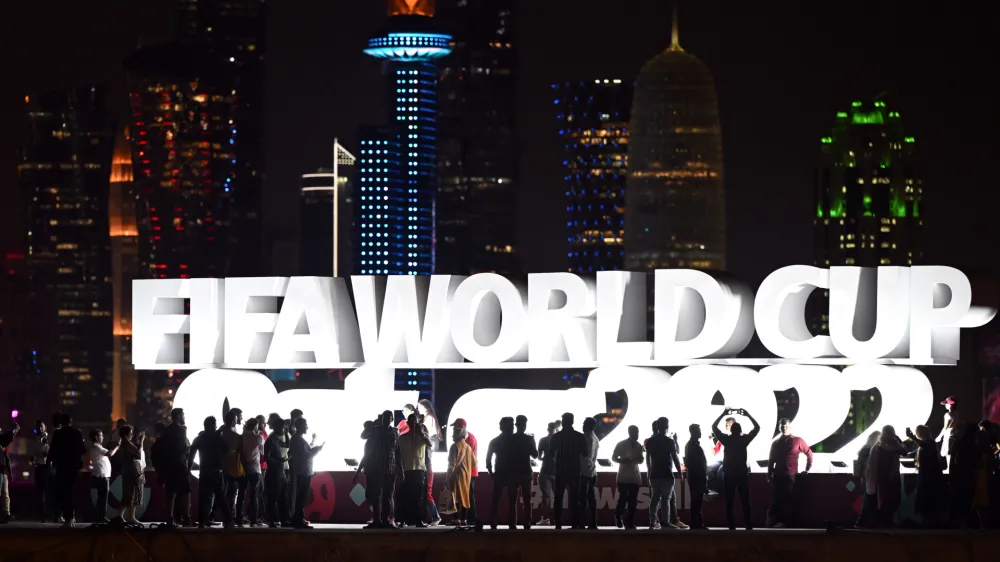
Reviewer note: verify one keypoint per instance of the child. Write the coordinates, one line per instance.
(100, 471)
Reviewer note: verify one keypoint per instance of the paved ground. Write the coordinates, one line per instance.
(323, 527)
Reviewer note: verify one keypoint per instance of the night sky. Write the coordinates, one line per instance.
(782, 70)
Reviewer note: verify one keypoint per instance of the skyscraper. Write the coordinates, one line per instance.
(185, 153)
(676, 207)
(477, 199)
(398, 169)
(868, 197)
(185, 161)
(593, 122)
(124, 269)
(233, 31)
(867, 191)
(64, 175)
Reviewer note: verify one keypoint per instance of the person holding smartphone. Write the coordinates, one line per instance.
(734, 464)
(301, 454)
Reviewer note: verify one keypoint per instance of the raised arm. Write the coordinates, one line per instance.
(715, 425)
(7, 438)
(756, 427)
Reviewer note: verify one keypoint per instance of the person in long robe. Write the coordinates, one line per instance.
(461, 461)
(882, 474)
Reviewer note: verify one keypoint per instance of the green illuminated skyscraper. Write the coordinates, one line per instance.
(867, 191)
(867, 210)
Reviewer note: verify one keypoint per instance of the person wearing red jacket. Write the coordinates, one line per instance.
(782, 468)
(470, 440)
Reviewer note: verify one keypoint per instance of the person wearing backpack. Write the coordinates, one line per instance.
(235, 474)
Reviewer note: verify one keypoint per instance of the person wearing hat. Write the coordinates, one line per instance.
(946, 435)
(470, 440)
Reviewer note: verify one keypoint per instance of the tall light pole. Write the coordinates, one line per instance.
(341, 157)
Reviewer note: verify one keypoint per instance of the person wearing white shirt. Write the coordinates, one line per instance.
(588, 474)
(100, 471)
(628, 455)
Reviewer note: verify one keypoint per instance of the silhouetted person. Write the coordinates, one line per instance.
(233, 472)
(5, 473)
(697, 475)
(782, 469)
(413, 450)
(628, 454)
(66, 453)
(882, 474)
(734, 465)
(174, 457)
(514, 452)
(568, 447)
(381, 464)
(869, 503)
(501, 447)
(930, 480)
(211, 450)
(547, 474)
(962, 466)
(276, 479)
(661, 460)
(39, 453)
(301, 454)
(588, 474)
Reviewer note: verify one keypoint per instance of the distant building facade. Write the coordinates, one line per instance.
(476, 207)
(124, 269)
(64, 175)
(593, 123)
(675, 212)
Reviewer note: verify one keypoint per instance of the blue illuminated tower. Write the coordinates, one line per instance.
(398, 170)
(397, 177)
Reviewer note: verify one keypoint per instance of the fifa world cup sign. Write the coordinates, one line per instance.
(882, 322)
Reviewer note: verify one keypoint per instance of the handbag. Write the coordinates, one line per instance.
(446, 502)
(234, 461)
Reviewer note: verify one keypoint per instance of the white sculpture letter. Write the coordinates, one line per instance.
(940, 305)
(698, 316)
(159, 322)
(566, 332)
(251, 317)
(621, 318)
(488, 320)
(780, 313)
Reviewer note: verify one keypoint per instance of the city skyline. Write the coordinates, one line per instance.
(766, 129)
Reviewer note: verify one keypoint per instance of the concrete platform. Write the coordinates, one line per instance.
(36, 542)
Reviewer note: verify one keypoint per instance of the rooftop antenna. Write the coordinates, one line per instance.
(675, 37)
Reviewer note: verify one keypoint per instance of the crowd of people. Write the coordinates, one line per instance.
(252, 472)
(258, 471)
(399, 457)
(962, 498)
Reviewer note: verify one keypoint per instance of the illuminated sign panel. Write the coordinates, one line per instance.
(896, 315)
(882, 322)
